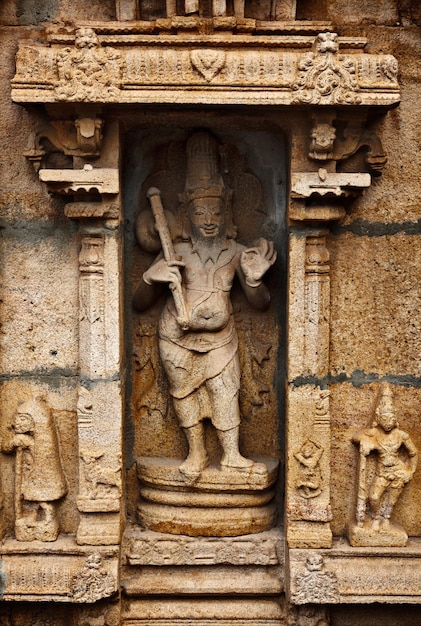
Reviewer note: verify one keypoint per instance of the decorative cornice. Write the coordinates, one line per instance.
(264, 69)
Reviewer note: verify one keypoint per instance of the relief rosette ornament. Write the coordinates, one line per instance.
(209, 63)
(325, 76)
(88, 72)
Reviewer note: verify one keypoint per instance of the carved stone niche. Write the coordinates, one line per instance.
(320, 90)
(219, 205)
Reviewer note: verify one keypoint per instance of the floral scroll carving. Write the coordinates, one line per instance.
(325, 76)
(315, 586)
(92, 582)
(87, 71)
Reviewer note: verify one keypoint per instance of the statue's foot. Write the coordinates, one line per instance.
(193, 466)
(241, 464)
(375, 524)
(30, 516)
(385, 524)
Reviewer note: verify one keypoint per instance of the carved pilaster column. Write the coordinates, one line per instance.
(100, 403)
(316, 303)
(92, 306)
(308, 477)
(99, 406)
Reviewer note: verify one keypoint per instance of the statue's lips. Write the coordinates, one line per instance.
(209, 230)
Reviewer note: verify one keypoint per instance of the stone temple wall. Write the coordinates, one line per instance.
(240, 449)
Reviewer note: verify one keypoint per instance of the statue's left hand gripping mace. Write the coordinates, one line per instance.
(161, 224)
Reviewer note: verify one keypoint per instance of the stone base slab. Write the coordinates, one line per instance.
(98, 529)
(304, 534)
(213, 580)
(219, 503)
(358, 575)
(164, 473)
(365, 536)
(40, 571)
(206, 522)
(224, 612)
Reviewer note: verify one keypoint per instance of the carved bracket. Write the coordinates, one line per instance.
(326, 145)
(335, 136)
(81, 137)
(88, 180)
(324, 183)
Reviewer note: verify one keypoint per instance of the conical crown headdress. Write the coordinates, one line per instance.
(384, 402)
(203, 179)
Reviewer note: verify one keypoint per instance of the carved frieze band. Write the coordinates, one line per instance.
(152, 549)
(329, 577)
(91, 72)
(68, 579)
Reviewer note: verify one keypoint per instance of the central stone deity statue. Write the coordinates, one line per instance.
(197, 337)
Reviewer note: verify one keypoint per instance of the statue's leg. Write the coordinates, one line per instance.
(378, 487)
(239, 9)
(224, 390)
(49, 511)
(188, 414)
(171, 8)
(231, 456)
(391, 497)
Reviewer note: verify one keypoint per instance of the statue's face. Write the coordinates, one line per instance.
(387, 419)
(207, 217)
(94, 561)
(314, 562)
(23, 423)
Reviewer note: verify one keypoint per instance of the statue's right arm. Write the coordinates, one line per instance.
(14, 440)
(147, 292)
(160, 274)
(7, 444)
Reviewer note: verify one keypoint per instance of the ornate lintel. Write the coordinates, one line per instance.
(267, 69)
(337, 581)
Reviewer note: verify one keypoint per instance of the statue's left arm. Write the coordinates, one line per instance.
(412, 454)
(254, 263)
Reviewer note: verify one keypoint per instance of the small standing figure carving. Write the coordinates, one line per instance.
(309, 477)
(197, 337)
(396, 461)
(39, 477)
